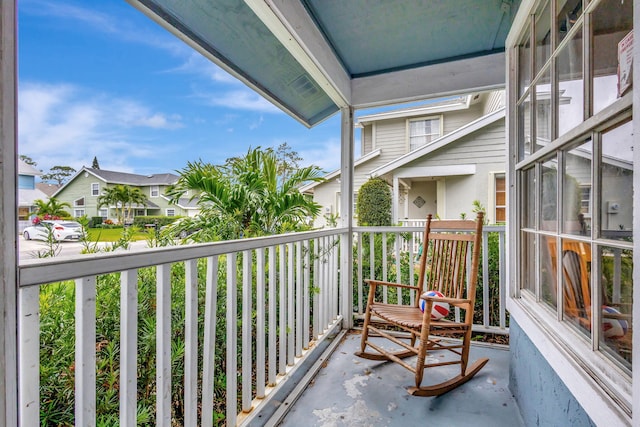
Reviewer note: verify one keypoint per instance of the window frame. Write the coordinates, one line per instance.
(154, 189)
(168, 210)
(438, 117)
(95, 189)
(590, 360)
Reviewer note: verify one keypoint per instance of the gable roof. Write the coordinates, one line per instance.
(335, 173)
(27, 169)
(124, 178)
(457, 103)
(440, 142)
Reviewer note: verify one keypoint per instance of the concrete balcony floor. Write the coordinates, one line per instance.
(350, 391)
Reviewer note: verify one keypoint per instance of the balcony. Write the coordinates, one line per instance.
(150, 331)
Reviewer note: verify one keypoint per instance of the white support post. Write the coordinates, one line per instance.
(191, 343)
(346, 216)
(396, 200)
(29, 360)
(260, 324)
(8, 232)
(128, 347)
(163, 345)
(273, 287)
(290, 307)
(282, 310)
(209, 350)
(299, 323)
(85, 365)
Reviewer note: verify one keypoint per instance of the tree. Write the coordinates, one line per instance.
(288, 160)
(52, 207)
(28, 160)
(123, 197)
(374, 203)
(246, 196)
(58, 174)
(95, 164)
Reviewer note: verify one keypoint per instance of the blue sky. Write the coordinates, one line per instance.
(98, 78)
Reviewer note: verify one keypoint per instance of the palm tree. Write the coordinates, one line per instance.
(52, 207)
(247, 197)
(123, 197)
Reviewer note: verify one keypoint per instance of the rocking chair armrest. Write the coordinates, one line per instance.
(383, 283)
(452, 301)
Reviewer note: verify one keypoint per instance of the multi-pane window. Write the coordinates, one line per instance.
(79, 202)
(95, 189)
(575, 171)
(103, 213)
(78, 213)
(501, 199)
(423, 132)
(155, 191)
(171, 212)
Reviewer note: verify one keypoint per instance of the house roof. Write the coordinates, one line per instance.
(185, 202)
(440, 142)
(313, 57)
(26, 197)
(451, 104)
(27, 169)
(113, 177)
(47, 188)
(335, 173)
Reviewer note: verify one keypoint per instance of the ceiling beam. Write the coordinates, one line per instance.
(293, 27)
(431, 81)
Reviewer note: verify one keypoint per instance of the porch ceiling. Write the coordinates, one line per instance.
(311, 57)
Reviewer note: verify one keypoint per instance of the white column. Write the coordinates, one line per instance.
(8, 236)
(396, 200)
(346, 215)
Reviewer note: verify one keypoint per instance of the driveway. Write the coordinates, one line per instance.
(30, 248)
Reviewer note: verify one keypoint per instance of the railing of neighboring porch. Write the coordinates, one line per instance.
(282, 298)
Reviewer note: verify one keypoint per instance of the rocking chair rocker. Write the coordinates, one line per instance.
(443, 264)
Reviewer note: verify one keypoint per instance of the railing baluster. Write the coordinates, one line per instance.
(163, 345)
(260, 324)
(232, 340)
(335, 283)
(306, 295)
(298, 299)
(316, 289)
(485, 279)
(290, 306)
(384, 267)
(272, 316)
(412, 295)
(398, 268)
(209, 350)
(85, 365)
(502, 295)
(29, 355)
(360, 276)
(128, 347)
(247, 311)
(191, 343)
(282, 357)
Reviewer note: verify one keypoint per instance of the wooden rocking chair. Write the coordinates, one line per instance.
(443, 265)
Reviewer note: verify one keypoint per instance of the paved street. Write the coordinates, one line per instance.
(30, 248)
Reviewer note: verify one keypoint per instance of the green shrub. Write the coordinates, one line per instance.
(374, 203)
(141, 221)
(95, 221)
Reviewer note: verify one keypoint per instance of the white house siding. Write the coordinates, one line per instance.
(495, 100)
(456, 119)
(367, 140)
(391, 137)
(427, 190)
(486, 150)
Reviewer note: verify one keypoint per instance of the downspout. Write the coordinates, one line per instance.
(346, 216)
(8, 225)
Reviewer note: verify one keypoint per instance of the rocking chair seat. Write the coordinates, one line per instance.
(411, 318)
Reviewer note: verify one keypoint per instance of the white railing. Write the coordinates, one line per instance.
(268, 301)
(393, 254)
(280, 300)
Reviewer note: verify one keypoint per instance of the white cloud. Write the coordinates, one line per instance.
(256, 124)
(326, 156)
(67, 125)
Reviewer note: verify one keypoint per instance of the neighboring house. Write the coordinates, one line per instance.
(47, 188)
(84, 188)
(27, 192)
(437, 158)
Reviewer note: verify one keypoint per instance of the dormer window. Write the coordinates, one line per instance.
(424, 131)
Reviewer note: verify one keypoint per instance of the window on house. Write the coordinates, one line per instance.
(155, 191)
(79, 202)
(564, 263)
(78, 213)
(501, 198)
(171, 212)
(95, 189)
(423, 132)
(23, 213)
(339, 203)
(103, 213)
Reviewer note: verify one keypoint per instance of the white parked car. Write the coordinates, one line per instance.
(59, 229)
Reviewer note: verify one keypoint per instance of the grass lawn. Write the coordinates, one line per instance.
(113, 234)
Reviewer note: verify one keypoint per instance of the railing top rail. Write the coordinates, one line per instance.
(402, 229)
(47, 270)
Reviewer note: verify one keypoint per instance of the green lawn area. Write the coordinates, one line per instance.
(112, 234)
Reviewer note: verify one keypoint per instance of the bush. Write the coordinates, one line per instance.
(374, 203)
(95, 221)
(141, 221)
